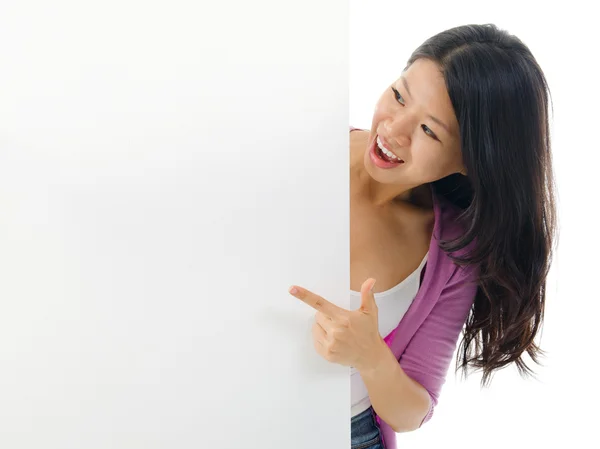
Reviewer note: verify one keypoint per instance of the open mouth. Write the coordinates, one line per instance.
(385, 155)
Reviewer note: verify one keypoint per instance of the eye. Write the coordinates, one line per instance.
(398, 96)
(425, 128)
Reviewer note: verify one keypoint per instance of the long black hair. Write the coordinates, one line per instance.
(500, 97)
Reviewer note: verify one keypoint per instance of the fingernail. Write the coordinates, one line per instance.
(372, 286)
(293, 290)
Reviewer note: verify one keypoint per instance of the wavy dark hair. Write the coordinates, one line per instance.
(507, 198)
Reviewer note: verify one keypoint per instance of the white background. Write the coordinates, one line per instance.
(558, 409)
(168, 170)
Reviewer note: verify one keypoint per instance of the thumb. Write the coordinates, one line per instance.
(367, 303)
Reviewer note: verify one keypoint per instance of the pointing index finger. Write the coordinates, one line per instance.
(316, 302)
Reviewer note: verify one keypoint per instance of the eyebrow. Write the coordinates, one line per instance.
(438, 121)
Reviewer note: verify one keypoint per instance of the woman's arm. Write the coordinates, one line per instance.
(400, 401)
(404, 393)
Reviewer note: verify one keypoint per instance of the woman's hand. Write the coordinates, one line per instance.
(349, 338)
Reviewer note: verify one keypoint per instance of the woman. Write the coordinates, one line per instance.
(452, 211)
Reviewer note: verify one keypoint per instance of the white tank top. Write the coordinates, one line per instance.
(392, 305)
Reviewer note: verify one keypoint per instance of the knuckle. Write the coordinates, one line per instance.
(345, 321)
(336, 334)
(332, 347)
(329, 355)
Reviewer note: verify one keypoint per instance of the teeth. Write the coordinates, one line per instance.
(385, 150)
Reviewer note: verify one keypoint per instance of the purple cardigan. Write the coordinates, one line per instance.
(427, 336)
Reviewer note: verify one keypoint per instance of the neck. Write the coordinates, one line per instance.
(381, 195)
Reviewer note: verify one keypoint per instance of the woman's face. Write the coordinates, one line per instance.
(414, 119)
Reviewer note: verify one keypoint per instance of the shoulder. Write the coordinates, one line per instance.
(359, 139)
(358, 134)
(450, 228)
(451, 225)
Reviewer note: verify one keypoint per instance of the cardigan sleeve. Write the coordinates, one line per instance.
(428, 355)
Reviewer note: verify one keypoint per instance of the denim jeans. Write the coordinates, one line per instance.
(365, 432)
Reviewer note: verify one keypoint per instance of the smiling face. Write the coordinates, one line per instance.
(415, 121)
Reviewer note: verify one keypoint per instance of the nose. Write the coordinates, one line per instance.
(397, 131)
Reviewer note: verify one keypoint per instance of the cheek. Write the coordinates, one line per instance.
(432, 163)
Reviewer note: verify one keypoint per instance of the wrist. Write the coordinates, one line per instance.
(378, 358)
